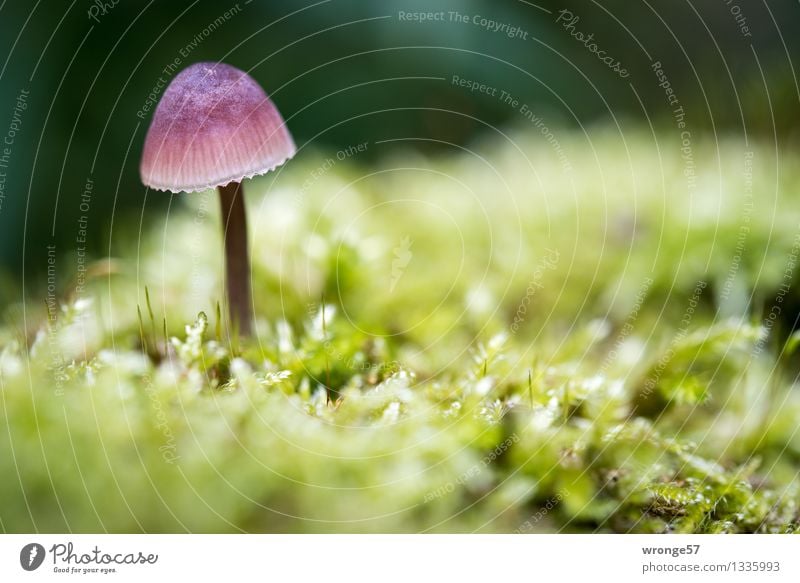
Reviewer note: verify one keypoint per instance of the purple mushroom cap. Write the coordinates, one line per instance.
(214, 125)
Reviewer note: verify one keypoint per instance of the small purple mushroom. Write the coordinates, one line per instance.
(214, 127)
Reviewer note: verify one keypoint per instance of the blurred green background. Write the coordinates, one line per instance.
(348, 71)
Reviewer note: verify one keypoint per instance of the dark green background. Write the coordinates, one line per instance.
(332, 69)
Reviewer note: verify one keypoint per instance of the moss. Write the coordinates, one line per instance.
(544, 357)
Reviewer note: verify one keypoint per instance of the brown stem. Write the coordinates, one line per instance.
(237, 264)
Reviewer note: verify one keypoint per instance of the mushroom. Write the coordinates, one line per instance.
(214, 127)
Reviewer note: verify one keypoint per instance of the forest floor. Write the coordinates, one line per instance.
(491, 341)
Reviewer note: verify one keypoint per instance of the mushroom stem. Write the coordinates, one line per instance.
(237, 263)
